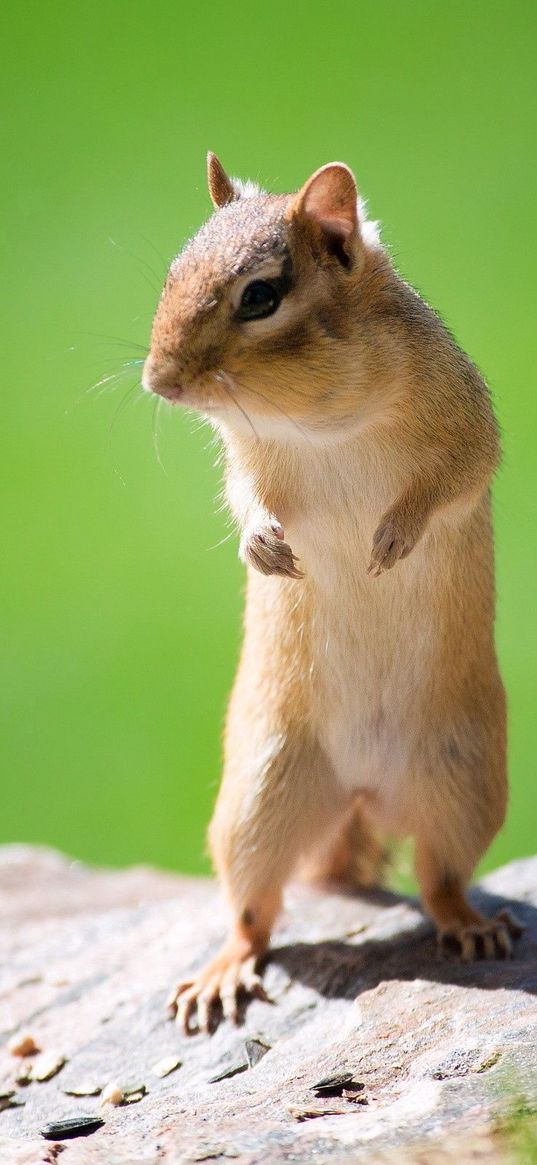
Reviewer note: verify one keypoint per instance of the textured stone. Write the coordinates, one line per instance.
(88, 957)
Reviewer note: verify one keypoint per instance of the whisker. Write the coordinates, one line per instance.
(255, 392)
(154, 430)
(121, 408)
(215, 443)
(272, 404)
(226, 380)
(222, 542)
(199, 423)
(115, 361)
(138, 259)
(155, 287)
(118, 340)
(160, 256)
(108, 379)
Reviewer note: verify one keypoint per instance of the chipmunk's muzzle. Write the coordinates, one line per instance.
(167, 378)
(160, 376)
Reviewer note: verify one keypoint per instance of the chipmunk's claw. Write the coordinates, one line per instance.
(265, 549)
(215, 993)
(390, 544)
(490, 939)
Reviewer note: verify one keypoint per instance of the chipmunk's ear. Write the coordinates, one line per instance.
(221, 188)
(330, 199)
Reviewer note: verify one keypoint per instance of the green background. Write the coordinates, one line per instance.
(121, 612)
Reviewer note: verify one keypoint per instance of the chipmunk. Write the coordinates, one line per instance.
(359, 444)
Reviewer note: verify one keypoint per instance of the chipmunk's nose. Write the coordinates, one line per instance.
(160, 376)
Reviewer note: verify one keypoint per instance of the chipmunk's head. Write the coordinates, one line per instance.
(253, 327)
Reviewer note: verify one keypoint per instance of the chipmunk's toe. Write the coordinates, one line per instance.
(490, 939)
(199, 1004)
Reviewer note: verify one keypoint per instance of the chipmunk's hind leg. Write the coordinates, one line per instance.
(217, 988)
(353, 857)
(270, 811)
(456, 815)
(460, 928)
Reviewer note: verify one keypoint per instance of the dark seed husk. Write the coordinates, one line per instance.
(350, 1089)
(24, 1074)
(72, 1126)
(335, 1080)
(255, 1050)
(10, 1101)
(229, 1072)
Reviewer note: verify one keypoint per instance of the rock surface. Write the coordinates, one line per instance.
(88, 957)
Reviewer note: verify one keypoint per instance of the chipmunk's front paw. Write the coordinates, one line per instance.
(490, 939)
(393, 539)
(215, 992)
(264, 548)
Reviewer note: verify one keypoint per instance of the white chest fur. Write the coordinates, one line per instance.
(374, 640)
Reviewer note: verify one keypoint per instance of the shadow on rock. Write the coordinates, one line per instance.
(343, 970)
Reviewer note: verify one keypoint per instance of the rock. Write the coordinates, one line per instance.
(359, 993)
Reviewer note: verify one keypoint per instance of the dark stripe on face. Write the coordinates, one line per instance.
(284, 282)
(292, 340)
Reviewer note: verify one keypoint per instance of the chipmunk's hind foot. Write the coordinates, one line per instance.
(217, 992)
(487, 939)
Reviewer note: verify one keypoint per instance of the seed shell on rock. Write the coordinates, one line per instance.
(132, 1087)
(354, 1097)
(112, 1094)
(48, 1066)
(229, 1072)
(25, 1073)
(311, 1111)
(166, 1065)
(353, 1087)
(86, 1088)
(72, 1126)
(255, 1050)
(134, 1097)
(11, 1102)
(335, 1080)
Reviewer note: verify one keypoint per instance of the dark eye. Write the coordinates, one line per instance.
(259, 300)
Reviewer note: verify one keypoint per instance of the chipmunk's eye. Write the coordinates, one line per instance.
(259, 299)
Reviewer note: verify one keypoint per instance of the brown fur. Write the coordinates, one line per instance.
(360, 446)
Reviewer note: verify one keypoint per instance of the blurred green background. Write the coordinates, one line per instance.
(120, 610)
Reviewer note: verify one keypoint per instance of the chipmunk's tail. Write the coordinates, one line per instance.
(355, 858)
